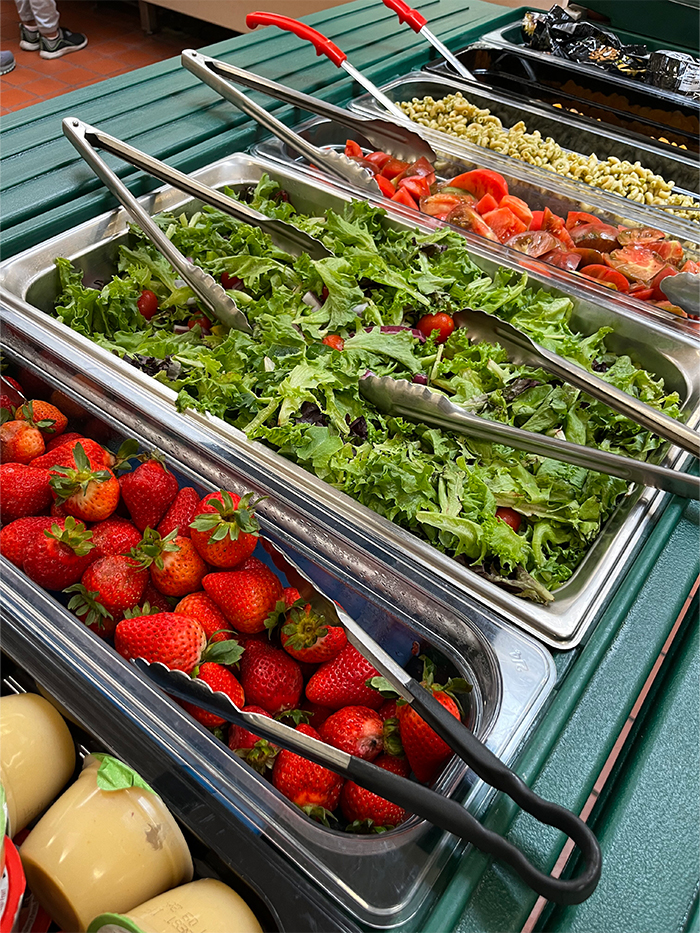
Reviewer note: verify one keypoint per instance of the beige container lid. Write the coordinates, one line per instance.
(37, 756)
(109, 843)
(204, 906)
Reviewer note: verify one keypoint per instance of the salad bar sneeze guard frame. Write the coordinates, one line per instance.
(512, 674)
(32, 276)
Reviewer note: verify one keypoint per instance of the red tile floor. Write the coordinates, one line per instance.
(116, 44)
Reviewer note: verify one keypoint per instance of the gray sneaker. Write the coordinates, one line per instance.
(29, 39)
(7, 62)
(65, 42)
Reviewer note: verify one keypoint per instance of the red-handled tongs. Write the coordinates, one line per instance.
(324, 46)
(419, 24)
(415, 798)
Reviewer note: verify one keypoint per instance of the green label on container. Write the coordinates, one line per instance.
(115, 775)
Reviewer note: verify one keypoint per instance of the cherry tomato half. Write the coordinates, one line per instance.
(510, 517)
(147, 303)
(200, 319)
(334, 341)
(230, 281)
(441, 322)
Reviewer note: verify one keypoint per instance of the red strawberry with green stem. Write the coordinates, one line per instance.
(356, 730)
(180, 513)
(342, 682)
(176, 567)
(307, 637)
(367, 811)
(207, 613)
(175, 640)
(91, 495)
(259, 753)
(60, 555)
(148, 492)
(44, 416)
(114, 535)
(16, 537)
(64, 455)
(246, 597)
(270, 677)
(220, 679)
(225, 529)
(108, 588)
(310, 786)
(20, 442)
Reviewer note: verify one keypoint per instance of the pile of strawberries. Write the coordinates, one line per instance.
(172, 577)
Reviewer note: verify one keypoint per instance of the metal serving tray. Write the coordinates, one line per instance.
(634, 110)
(562, 127)
(510, 37)
(381, 880)
(327, 134)
(29, 283)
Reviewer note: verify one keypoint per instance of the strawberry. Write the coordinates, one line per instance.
(63, 455)
(148, 492)
(175, 640)
(318, 714)
(15, 537)
(11, 393)
(341, 682)
(91, 495)
(290, 595)
(307, 637)
(176, 567)
(46, 417)
(310, 786)
(246, 597)
(388, 708)
(251, 563)
(60, 555)
(114, 535)
(259, 753)
(219, 679)
(202, 608)
(109, 587)
(270, 678)
(24, 490)
(356, 730)
(62, 439)
(225, 529)
(180, 513)
(20, 442)
(371, 811)
(155, 600)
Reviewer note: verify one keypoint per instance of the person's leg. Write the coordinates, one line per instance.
(55, 40)
(29, 38)
(43, 16)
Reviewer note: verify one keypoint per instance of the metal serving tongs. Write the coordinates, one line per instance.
(335, 163)
(399, 141)
(418, 403)
(683, 290)
(418, 23)
(415, 798)
(85, 138)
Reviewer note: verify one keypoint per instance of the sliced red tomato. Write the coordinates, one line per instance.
(467, 218)
(658, 295)
(504, 223)
(510, 517)
(536, 222)
(486, 204)
(442, 323)
(690, 266)
(669, 306)
(519, 208)
(352, 149)
(482, 181)
(638, 263)
(610, 277)
(602, 237)
(640, 235)
(574, 218)
(556, 226)
(641, 293)
(385, 186)
(416, 186)
(562, 258)
(533, 242)
(335, 341)
(669, 250)
(420, 167)
(443, 203)
(403, 197)
(378, 158)
(589, 257)
(394, 167)
(200, 319)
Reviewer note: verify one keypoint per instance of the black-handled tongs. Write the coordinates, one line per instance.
(415, 798)
(87, 139)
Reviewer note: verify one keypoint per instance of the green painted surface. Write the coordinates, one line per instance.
(163, 110)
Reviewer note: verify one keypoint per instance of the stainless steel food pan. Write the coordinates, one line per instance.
(569, 133)
(326, 134)
(511, 674)
(29, 284)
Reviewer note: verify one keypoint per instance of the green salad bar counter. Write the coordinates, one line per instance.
(567, 599)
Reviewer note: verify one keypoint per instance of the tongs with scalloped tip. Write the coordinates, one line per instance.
(487, 328)
(335, 163)
(415, 798)
(418, 403)
(399, 141)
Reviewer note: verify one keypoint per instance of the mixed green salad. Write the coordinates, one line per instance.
(286, 387)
